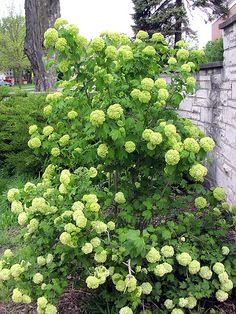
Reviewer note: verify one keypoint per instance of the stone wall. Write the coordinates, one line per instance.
(213, 108)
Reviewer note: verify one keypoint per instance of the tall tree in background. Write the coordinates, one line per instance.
(171, 17)
(12, 35)
(40, 15)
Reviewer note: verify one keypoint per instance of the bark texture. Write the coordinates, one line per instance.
(39, 16)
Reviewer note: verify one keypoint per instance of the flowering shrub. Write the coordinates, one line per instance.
(120, 207)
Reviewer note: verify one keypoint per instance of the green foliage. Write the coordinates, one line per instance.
(214, 50)
(4, 92)
(12, 36)
(16, 114)
(121, 207)
(171, 17)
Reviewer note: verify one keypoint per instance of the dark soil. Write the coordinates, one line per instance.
(70, 302)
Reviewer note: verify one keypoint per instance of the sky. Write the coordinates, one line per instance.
(95, 16)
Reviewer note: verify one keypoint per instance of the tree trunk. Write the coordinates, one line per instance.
(39, 16)
(178, 25)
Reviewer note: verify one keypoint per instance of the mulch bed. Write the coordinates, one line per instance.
(70, 300)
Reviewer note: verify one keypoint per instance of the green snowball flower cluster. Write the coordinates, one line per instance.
(8, 253)
(126, 310)
(182, 54)
(172, 61)
(205, 272)
(66, 239)
(149, 51)
(72, 115)
(161, 83)
(218, 268)
(64, 66)
(153, 255)
(95, 242)
(186, 68)
(102, 150)
(99, 226)
(55, 152)
(34, 142)
(16, 270)
(167, 251)
(155, 138)
(135, 93)
(101, 257)
(162, 269)
(60, 22)
(219, 193)
(191, 145)
(120, 198)
(172, 157)
(158, 37)
(38, 278)
(97, 117)
(194, 267)
(47, 130)
(221, 296)
(163, 94)
(72, 29)
(198, 172)
(125, 52)
(184, 259)
(92, 282)
(142, 35)
(47, 111)
(144, 97)
(97, 44)
(169, 304)
(87, 248)
(177, 311)
(170, 130)
(19, 297)
(147, 84)
(183, 302)
(33, 129)
(50, 37)
(200, 202)
(130, 147)
(146, 288)
(61, 44)
(225, 250)
(64, 140)
(111, 52)
(115, 111)
(191, 82)
(207, 144)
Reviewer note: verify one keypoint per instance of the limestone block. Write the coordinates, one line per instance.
(202, 93)
(234, 90)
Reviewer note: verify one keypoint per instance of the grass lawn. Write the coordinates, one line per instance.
(9, 228)
(27, 87)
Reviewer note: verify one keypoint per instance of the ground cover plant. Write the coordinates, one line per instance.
(121, 208)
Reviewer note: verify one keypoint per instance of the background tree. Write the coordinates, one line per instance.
(12, 35)
(40, 15)
(171, 17)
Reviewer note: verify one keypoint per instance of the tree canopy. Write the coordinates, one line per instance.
(171, 17)
(12, 35)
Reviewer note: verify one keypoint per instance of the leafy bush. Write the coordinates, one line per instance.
(4, 92)
(214, 50)
(121, 207)
(16, 114)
